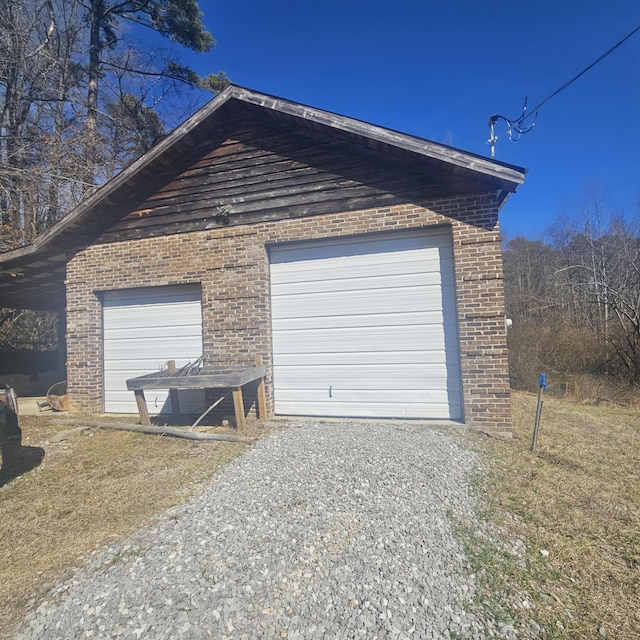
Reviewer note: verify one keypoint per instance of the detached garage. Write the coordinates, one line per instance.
(362, 264)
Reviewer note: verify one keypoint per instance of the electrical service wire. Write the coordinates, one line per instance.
(516, 127)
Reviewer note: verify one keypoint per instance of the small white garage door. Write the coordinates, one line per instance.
(366, 328)
(143, 329)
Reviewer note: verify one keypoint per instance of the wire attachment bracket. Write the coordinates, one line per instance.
(515, 127)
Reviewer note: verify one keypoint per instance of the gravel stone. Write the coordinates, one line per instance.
(322, 530)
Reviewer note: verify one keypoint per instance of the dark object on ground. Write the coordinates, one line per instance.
(10, 432)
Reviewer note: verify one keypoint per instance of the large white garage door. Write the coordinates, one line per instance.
(143, 329)
(366, 328)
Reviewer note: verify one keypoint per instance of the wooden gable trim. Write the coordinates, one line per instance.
(268, 170)
(366, 131)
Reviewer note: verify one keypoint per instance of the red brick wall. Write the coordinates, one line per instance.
(231, 263)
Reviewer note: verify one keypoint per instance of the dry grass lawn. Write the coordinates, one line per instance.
(577, 498)
(90, 489)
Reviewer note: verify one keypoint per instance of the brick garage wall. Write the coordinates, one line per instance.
(481, 318)
(231, 264)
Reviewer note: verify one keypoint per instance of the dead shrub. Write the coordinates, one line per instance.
(578, 363)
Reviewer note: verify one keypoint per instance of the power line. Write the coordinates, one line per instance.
(516, 127)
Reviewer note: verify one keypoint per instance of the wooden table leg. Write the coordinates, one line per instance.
(142, 407)
(173, 393)
(238, 407)
(262, 399)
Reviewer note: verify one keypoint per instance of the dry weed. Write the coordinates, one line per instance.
(577, 498)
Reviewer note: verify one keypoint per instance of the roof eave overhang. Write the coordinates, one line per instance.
(98, 210)
(507, 177)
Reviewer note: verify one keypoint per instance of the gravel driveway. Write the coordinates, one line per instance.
(323, 530)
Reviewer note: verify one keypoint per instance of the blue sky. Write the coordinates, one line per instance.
(440, 69)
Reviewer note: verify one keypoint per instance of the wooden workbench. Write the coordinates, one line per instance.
(233, 378)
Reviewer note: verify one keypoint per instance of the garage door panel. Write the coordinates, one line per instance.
(374, 405)
(123, 298)
(150, 347)
(118, 368)
(152, 332)
(422, 299)
(390, 319)
(364, 264)
(354, 339)
(142, 316)
(398, 377)
(143, 329)
(369, 396)
(370, 320)
(289, 275)
(368, 358)
(361, 248)
(379, 285)
(159, 401)
(355, 304)
(155, 303)
(391, 410)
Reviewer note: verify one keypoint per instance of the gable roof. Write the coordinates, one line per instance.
(33, 276)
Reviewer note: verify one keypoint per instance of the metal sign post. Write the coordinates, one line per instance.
(542, 386)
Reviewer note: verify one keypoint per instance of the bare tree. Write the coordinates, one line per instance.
(606, 265)
(529, 283)
(80, 97)
(25, 65)
(575, 298)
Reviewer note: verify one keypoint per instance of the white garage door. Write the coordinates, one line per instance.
(143, 329)
(366, 328)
